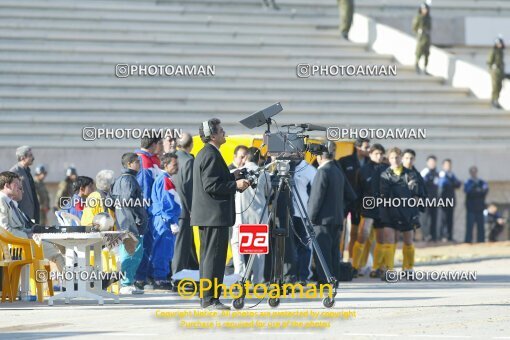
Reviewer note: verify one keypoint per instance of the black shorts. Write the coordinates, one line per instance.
(355, 217)
(403, 227)
(378, 223)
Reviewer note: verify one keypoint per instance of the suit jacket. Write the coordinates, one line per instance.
(8, 218)
(214, 189)
(326, 202)
(183, 181)
(29, 204)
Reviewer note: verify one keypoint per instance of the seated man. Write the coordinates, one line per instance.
(15, 221)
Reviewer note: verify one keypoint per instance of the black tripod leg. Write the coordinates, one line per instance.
(309, 228)
(278, 250)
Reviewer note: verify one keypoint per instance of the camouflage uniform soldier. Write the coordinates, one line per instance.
(42, 193)
(65, 187)
(346, 14)
(496, 64)
(422, 26)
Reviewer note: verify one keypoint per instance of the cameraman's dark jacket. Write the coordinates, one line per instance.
(214, 189)
(369, 184)
(326, 202)
(132, 217)
(399, 186)
(475, 190)
(351, 166)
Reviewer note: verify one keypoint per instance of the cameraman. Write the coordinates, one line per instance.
(214, 188)
(326, 209)
(249, 207)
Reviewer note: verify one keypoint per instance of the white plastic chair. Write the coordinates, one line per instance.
(67, 219)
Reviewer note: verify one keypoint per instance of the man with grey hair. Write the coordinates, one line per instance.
(29, 204)
(183, 180)
(97, 201)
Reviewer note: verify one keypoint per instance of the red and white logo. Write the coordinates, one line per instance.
(254, 239)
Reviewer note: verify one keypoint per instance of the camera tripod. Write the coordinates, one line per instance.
(283, 184)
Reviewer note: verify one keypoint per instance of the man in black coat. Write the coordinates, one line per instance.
(326, 210)
(214, 189)
(30, 203)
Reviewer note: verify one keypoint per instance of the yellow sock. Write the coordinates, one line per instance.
(408, 253)
(378, 255)
(405, 258)
(388, 256)
(357, 251)
(364, 255)
(394, 249)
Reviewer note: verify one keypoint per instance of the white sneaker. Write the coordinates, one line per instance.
(127, 290)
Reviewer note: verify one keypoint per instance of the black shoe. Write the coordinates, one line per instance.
(139, 284)
(496, 105)
(110, 278)
(163, 284)
(376, 274)
(355, 273)
(215, 304)
(345, 35)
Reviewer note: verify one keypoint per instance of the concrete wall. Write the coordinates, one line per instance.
(454, 31)
(483, 30)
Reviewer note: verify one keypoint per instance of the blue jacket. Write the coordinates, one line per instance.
(447, 185)
(475, 190)
(165, 202)
(149, 171)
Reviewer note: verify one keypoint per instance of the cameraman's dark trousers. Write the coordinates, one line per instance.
(328, 238)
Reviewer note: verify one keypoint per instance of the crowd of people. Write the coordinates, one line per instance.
(184, 191)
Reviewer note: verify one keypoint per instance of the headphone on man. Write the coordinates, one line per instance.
(206, 128)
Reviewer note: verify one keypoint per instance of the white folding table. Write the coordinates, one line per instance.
(77, 251)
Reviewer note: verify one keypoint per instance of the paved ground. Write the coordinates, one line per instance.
(466, 309)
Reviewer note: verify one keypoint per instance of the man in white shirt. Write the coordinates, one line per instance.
(249, 206)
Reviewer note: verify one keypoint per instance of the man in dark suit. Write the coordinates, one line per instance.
(326, 209)
(29, 204)
(184, 184)
(214, 189)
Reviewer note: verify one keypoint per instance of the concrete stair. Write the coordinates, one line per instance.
(57, 64)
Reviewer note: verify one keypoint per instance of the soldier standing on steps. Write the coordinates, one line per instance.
(270, 3)
(422, 27)
(496, 64)
(346, 13)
